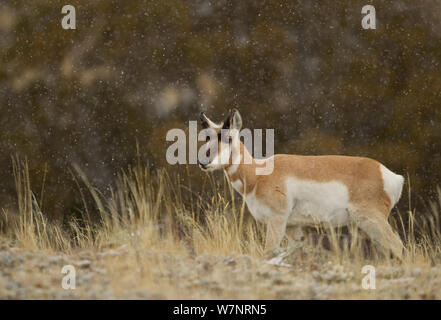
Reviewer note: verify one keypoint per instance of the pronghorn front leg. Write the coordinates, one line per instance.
(276, 226)
(295, 236)
(295, 233)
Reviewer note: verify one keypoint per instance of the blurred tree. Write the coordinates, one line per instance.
(133, 70)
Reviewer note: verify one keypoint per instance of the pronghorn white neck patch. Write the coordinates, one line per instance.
(237, 185)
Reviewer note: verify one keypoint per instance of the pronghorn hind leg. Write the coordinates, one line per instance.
(375, 224)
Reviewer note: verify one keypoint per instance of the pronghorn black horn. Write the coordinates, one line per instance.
(227, 121)
(203, 119)
(207, 123)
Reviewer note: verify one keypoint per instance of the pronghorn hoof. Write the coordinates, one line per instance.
(278, 261)
(273, 253)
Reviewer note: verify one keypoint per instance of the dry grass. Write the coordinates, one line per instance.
(153, 237)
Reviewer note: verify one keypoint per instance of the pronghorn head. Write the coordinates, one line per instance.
(222, 142)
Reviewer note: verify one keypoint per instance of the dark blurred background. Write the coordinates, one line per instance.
(134, 69)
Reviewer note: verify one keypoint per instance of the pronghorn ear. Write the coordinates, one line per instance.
(207, 123)
(236, 122)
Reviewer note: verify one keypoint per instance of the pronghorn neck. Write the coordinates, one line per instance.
(242, 174)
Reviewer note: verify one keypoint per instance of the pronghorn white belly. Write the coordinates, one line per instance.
(314, 202)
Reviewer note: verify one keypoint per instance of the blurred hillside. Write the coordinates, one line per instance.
(133, 70)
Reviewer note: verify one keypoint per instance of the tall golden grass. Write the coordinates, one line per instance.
(158, 212)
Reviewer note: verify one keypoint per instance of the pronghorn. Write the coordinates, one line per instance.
(304, 190)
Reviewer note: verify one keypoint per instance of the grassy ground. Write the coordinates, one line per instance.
(154, 238)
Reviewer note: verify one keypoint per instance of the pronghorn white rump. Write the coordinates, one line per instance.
(393, 185)
(306, 190)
